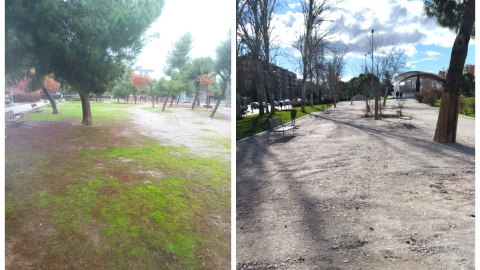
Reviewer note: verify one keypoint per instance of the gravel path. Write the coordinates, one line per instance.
(350, 192)
(193, 129)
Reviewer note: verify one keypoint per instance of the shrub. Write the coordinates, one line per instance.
(296, 104)
(76, 99)
(418, 96)
(429, 97)
(53, 95)
(463, 104)
(7, 102)
(27, 97)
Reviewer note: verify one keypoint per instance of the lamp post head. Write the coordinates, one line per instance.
(373, 30)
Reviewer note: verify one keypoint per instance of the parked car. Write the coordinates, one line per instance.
(255, 105)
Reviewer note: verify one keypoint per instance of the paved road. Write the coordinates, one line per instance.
(23, 107)
(429, 115)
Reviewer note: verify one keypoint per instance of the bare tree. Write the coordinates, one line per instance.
(315, 13)
(254, 28)
(249, 35)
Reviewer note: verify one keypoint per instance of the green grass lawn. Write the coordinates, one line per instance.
(101, 112)
(254, 124)
(467, 106)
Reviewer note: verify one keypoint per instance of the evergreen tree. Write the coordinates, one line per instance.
(461, 17)
(84, 44)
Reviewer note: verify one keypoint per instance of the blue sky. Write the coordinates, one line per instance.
(400, 22)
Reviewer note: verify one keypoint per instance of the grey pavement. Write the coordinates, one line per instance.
(429, 115)
(23, 107)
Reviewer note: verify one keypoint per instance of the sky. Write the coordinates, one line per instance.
(209, 22)
(400, 22)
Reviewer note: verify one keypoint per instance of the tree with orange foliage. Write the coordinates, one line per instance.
(206, 80)
(139, 82)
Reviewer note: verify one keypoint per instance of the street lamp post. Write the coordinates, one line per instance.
(365, 66)
(376, 92)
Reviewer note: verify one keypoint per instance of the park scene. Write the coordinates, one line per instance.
(355, 135)
(117, 150)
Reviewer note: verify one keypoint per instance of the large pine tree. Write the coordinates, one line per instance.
(85, 44)
(459, 16)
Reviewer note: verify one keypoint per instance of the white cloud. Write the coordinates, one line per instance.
(402, 23)
(292, 6)
(432, 53)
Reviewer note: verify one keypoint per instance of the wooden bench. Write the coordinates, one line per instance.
(34, 106)
(401, 117)
(11, 117)
(207, 107)
(276, 125)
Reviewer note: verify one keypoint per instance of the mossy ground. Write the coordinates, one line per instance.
(81, 197)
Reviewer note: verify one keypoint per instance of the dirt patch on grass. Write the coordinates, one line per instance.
(184, 127)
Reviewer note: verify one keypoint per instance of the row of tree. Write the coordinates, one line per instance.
(182, 76)
(88, 45)
(321, 62)
(82, 44)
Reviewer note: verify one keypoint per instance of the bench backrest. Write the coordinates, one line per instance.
(9, 115)
(274, 122)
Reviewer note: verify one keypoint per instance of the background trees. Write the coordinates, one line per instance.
(199, 67)
(223, 68)
(309, 43)
(254, 38)
(139, 82)
(85, 44)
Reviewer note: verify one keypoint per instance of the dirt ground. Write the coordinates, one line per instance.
(349, 192)
(55, 143)
(184, 127)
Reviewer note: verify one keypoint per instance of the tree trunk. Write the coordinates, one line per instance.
(446, 131)
(171, 101)
(385, 98)
(259, 87)
(86, 112)
(178, 99)
(52, 101)
(304, 89)
(165, 102)
(197, 89)
(135, 99)
(311, 98)
(224, 86)
(269, 91)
